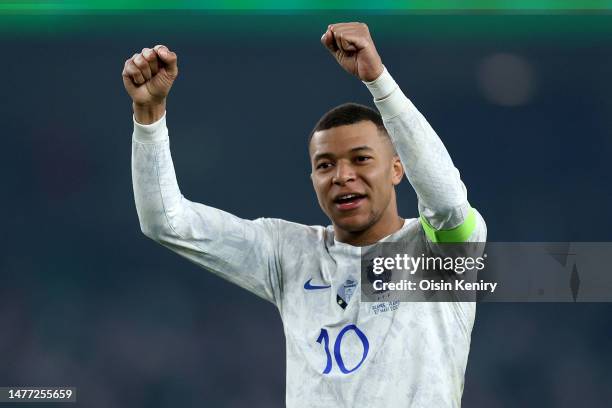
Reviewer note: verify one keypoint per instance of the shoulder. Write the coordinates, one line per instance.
(293, 232)
(410, 231)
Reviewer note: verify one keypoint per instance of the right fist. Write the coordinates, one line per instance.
(148, 76)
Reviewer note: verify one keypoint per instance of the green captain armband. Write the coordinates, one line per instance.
(458, 234)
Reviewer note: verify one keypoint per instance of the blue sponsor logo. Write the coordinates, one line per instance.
(308, 286)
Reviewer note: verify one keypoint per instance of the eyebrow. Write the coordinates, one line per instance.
(320, 156)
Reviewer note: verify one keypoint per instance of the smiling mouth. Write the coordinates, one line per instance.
(349, 201)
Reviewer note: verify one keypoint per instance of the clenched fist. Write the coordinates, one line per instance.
(353, 48)
(148, 77)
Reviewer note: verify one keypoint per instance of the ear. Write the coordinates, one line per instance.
(397, 170)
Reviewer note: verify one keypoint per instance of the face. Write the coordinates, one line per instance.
(354, 172)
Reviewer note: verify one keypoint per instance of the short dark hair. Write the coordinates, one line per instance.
(348, 114)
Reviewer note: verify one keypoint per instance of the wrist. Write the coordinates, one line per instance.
(382, 86)
(147, 114)
(375, 74)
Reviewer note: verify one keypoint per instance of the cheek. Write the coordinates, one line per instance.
(319, 187)
(379, 178)
(381, 182)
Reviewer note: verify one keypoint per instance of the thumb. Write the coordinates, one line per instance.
(168, 57)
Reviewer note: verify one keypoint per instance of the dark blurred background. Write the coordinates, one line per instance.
(522, 102)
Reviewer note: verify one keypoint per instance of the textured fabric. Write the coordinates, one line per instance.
(382, 86)
(461, 233)
(384, 354)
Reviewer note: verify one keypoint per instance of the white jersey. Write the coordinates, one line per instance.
(355, 354)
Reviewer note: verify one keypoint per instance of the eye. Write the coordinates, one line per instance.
(362, 159)
(323, 166)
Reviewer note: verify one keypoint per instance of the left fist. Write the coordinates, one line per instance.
(353, 48)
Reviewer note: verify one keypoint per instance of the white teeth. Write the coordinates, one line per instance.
(344, 197)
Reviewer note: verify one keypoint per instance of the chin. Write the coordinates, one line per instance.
(356, 223)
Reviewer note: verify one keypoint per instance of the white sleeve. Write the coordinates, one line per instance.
(241, 251)
(443, 205)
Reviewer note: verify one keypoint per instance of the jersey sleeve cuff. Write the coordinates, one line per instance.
(154, 132)
(461, 233)
(382, 86)
(388, 97)
(393, 105)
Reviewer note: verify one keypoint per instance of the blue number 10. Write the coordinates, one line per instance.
(324, 337)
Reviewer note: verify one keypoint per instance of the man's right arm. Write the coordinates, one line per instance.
(241, 251)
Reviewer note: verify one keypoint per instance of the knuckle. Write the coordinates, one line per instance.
(135, 72)
(147, 54)
(141, 63)
(160, 47)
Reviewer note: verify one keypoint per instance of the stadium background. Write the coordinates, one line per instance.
(521, 101)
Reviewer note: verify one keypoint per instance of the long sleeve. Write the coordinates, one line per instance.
(445, 212)
(241, 251)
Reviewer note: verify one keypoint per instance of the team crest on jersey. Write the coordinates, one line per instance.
(345, 293)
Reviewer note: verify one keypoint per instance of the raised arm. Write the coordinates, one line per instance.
(445, 213)
(238, 250)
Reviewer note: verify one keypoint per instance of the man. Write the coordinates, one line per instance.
(340, 351)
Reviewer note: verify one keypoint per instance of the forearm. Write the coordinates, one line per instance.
(156, 192)
(428, 166)
(165, 215)
(209, 237)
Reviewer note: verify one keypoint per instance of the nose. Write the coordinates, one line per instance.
(344, 173)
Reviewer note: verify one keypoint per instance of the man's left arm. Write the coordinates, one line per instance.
(445, 213)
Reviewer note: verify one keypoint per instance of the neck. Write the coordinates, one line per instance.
(389, 223)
